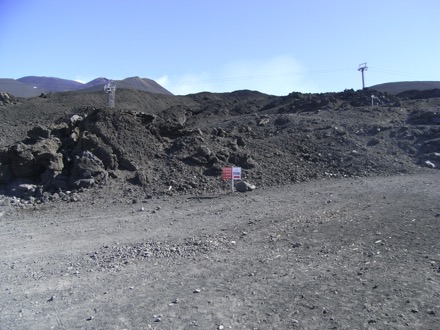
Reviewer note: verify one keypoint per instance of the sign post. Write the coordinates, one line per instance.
(231, 173)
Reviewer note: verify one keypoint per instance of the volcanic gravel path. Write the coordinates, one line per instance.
(354, 253)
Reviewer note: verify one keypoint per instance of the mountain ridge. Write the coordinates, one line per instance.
(31, 86)
(404, 86)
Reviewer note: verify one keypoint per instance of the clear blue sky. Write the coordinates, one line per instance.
(189, 46)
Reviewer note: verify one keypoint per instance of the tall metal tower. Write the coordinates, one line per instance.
(363, 67)
(110, 89)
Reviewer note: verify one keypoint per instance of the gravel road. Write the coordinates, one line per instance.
(327, 254)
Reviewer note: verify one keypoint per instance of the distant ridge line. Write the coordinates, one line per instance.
(31, 86)
(404, 86)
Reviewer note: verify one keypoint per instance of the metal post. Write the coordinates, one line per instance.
(363, 67)
(110, 89)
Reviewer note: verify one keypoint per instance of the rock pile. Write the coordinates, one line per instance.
(183, 148)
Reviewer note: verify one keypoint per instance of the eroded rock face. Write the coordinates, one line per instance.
(86, 170)
(31, 160)
(23, 162)
(90, 142)
(45, 160)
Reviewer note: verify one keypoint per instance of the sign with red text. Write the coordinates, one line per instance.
(227, 173)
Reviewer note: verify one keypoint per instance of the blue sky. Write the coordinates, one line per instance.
(189, 46)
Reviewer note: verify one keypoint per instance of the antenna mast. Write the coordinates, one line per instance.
(110, 89)
(363, 67)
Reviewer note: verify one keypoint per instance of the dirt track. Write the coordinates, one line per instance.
(328, 254)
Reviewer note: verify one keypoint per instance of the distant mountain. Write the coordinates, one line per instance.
(51, 84)
(31, 86)
(18, 88)
(96, 82)
(403, 86)
(140, 84)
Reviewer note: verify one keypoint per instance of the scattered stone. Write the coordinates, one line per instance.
(158, 318)
(263, 122)
(429, 164)
(430, 312)
(174, 302)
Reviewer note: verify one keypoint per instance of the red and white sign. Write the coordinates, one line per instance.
(227, 173)
(231, 173)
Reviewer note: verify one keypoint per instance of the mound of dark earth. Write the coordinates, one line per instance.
(161, 144)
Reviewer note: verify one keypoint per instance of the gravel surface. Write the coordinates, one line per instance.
(328, 254)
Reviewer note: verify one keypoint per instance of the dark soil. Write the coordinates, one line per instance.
(340, 233)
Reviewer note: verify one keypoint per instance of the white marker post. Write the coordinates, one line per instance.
(236, 175)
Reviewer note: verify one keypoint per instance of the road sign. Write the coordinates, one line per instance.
(231, 173)
(227, 173)
(236, 173)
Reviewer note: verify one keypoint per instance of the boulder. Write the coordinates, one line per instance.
(204, 151)
(263, 122)
(243, 160)
(87, 166)
(241, 141)
(172, 121)
(39, 132)
(83, 183)
(75, 120)
(23, 162)
(46, 153)
(243, 186)
(429, 164)
(94, 144)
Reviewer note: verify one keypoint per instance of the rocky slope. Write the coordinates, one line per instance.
(158, 144)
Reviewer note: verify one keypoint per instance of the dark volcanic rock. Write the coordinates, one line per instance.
(157, 144)
(87, 169)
